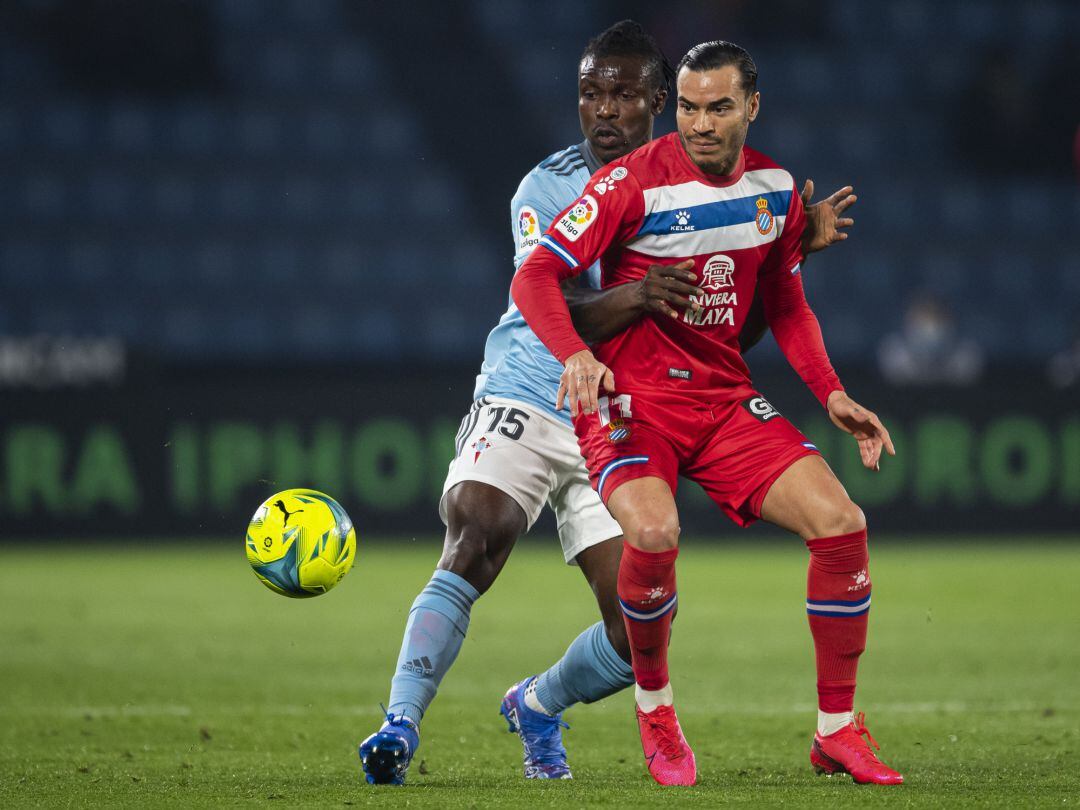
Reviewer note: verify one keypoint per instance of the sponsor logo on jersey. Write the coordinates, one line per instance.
(712, 312)
(717, 272)
(682, 222)
(716, 307)
(528, 229)
(606, 184)
(618, 173)
(575, 221)
(679, 373)
(760, 408)
(764, 217)
(618, 431)
(480, 445)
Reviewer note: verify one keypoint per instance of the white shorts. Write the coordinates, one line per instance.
(533, 458)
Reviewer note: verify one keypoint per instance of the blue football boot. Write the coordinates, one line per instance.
(541, 735)
(386, 754)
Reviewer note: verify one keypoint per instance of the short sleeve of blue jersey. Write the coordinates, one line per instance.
(516, 364)
(539, 199)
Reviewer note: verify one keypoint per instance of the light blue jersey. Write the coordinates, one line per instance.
(516, 364)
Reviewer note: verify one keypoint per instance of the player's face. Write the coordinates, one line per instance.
(712, 115)
(616, 104)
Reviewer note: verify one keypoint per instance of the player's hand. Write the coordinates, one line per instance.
(666, 289)
(824, 220)
(580, 382)
(864, 425)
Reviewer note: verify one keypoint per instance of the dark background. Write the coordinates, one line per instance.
(249, 245)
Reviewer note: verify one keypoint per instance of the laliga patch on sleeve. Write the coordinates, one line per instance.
(760, 408)
(581, 215)
(528, 229)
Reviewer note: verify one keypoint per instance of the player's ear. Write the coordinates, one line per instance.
(659, 100)
(753, 106)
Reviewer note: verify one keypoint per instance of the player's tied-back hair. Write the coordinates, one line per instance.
(628, 38)
(718, 54)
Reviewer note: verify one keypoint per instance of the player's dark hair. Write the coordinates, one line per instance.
(628, 38)
(717, 54)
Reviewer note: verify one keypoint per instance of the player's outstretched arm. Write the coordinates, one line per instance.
(792, 321)
(599, 315)
(823, 224)
(864, 425)
(825, 219)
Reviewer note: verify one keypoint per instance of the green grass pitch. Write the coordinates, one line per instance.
(168, 676)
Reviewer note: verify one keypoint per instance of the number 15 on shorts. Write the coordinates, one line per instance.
(511, 425)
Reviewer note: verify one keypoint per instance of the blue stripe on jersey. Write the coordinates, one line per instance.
(717, 214)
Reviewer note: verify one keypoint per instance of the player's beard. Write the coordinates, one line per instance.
(724, 161)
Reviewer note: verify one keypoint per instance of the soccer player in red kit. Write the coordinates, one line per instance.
(678, 398)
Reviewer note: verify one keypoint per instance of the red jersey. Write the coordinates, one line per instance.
(655, 206)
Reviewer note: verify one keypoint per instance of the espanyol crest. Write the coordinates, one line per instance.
(618, 431)
(764, 218)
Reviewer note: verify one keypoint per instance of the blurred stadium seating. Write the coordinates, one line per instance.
(241, 179)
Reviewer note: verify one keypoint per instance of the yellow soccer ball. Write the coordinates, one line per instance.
(300, 543)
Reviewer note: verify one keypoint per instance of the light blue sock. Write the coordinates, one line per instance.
(589, 670)
(437, 625)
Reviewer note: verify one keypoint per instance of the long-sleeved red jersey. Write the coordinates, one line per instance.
(655, 206)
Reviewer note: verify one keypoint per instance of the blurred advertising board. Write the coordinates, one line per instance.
(190, 452)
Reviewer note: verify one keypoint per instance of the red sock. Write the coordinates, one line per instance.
(648, 599)
(837, 604)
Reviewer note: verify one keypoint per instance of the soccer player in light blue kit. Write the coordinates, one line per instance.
(514, 452)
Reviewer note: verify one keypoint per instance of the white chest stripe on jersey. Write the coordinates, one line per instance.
(684, 195)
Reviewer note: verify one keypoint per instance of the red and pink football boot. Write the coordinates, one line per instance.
(670, 760)
(847, 752)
